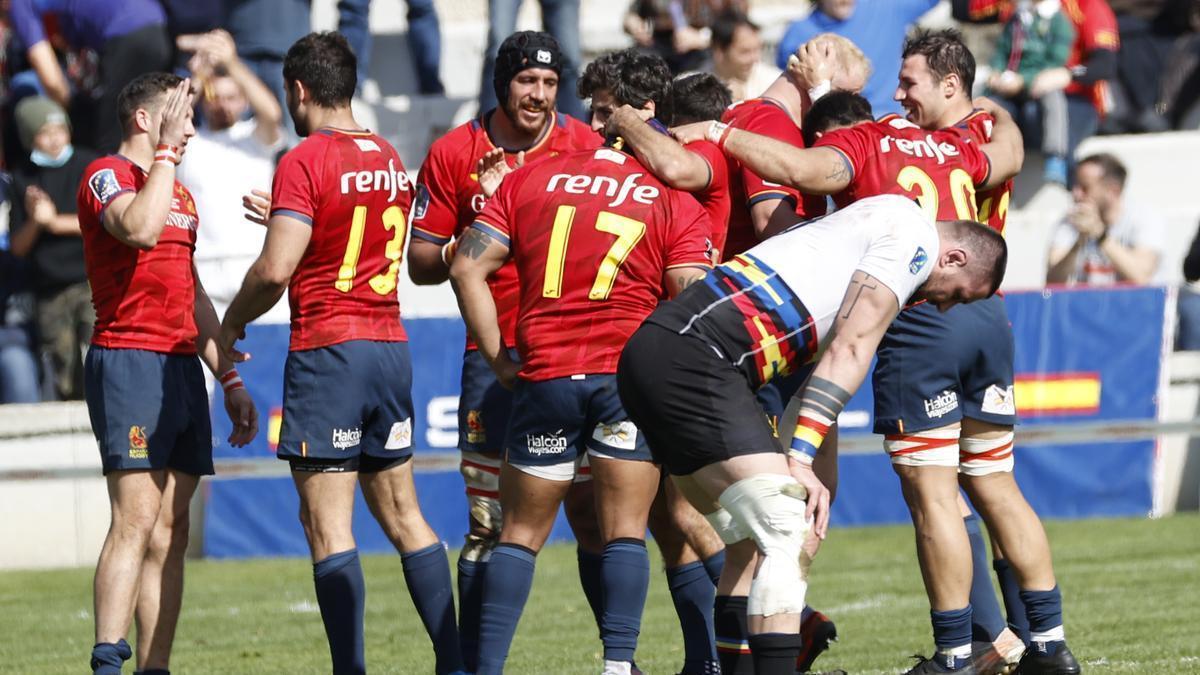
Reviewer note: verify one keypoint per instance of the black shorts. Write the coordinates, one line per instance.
(693, 407)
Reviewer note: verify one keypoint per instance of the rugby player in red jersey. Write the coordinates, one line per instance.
(524, 128)
(597, 241)
(145, 392)
(339, 211)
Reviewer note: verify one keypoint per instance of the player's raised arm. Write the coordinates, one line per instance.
(138, 219)
(671, 162)
(479, 255)
(1006, 149)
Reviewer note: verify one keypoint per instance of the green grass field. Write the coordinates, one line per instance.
(1132, 592)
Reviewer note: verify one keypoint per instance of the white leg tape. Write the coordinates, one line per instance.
(726, 528)
(770, 508)
(481, 474)
(932, 447)
(984, 456)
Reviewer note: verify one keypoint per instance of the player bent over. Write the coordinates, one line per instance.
(688, 376)
(339, 211)
(145, 391)
(596, 242)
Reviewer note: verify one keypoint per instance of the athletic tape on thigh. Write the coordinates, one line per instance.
(563, 471)
(481, 473)
(933, 447)
(983, 456)
(583, 469)
(726, 528)
(770, 507)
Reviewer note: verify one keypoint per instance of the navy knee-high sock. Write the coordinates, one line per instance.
(952, 635)
(107, 657)
(1010, 590)
(470, 595)
(986, 620)
(733, 645)
(1044, 609)
(592, 581)
(713, 564)
(342, 598)
(505, 590)
(692, 592)
(427, 573)
(626, 572)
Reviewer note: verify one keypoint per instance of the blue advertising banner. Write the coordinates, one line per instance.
(1081, 355)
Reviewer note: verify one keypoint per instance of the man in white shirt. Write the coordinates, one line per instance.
(737, 56)
(230, 155)
(1105, 239)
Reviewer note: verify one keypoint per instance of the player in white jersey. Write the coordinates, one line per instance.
(688, 376)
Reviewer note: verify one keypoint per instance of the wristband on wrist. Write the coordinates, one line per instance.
(819, 89)
(166, 153)
(231, 381)
(807, 438)
(448, 251)
(718, 132)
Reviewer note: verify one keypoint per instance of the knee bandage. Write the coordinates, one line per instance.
(482, 477)
(726, 528)
(983, 456)
(771, 508)
(933, 447)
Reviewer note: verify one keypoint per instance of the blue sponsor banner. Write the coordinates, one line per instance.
(1081, 356)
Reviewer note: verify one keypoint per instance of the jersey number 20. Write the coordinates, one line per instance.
(628, 231)
(383, 284)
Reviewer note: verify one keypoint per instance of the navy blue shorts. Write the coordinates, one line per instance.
(483, 406)
(556, 421)
(149, 410)
(345, 401)
(934, 369)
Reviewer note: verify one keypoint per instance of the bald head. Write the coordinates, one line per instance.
(854, 68)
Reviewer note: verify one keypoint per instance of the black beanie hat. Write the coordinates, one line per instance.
(521, 50)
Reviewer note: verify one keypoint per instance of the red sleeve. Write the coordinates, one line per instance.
(435, 212)
(687, 240)
(105, 181)
(978, 164)
(855, 143)
(718, 166)
(296, 188)
(495, 220)
(768, 120)
(1099, 28)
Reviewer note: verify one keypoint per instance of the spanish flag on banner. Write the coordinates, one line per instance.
(1045, 394)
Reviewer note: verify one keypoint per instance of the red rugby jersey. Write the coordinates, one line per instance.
(992, 204)
(766, 117)
(143, 299)
(350, 186)
(449, 198)
(592, 234)
(939, 169)
(714, 199)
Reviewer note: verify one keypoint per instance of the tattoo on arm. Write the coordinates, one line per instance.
(824, 397)
(474, 243)
(856, 288)
(683, 280)
(839, 173)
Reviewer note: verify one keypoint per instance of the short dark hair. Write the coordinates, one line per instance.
(725, 27)
(698, 97)
(633, 78)
(838, 108)
(1110, 167)
(988, 246)
(139, 92)
(945, 53)
(325, 65)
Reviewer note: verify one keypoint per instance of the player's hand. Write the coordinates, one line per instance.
(243, 414)
(506, 370)
(258, 206)
(690, 133)
(176, 115)
(226, 340)
(1050, 80)
(626, 114)
(493, 167)
(818, 496)
(814, 62)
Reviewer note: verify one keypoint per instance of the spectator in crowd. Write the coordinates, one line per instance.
(1036, 42)
(1188, 338)
(1084, 79)
(45, 230)
(560, 18)
(230, 154)
(18, 368)
(680, 31)
(878, 27)
(1171, 78)
(737, 56)
(263, 31)
(129, 36)
(424, 41)
(1104, 238)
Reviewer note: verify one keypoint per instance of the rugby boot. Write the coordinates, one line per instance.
(1061, 662)
(817, 631)
(931, 667)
